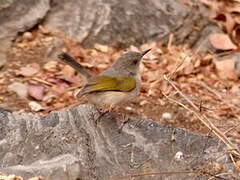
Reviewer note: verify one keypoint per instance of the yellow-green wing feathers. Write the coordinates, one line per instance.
(126, 84)
(107, 83)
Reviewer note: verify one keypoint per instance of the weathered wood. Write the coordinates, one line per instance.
(68, 145)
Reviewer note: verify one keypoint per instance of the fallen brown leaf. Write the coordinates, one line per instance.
(221, 41)
(36, 91)
(225, 68)
(29, 70)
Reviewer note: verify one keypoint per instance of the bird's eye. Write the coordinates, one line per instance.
(135, 61)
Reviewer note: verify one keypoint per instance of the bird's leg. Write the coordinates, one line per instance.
(124, 120)
(102, 112)
(123, 117)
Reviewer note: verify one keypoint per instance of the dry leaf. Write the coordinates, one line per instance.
(34, 106)
(49, 97)
(60, 83)
(36, 91)
(10, 177)
(29, 70)
(225, 69)
(51, 66)
(19, 88)
(221, 41)
(36, 178)
(235, 89)
(230, 23)
(67, 74)
(238, 165)
(27, 36)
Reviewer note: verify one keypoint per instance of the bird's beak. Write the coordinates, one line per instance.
(145, 52)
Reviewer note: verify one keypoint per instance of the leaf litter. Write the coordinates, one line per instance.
(51, 84)
(210, 81)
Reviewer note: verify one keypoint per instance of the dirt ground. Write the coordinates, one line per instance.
(47, 85)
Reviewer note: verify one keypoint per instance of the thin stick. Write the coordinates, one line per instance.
(155, 173)
(74, 87)
(170, 41)
(221, 98)
(232, 128)
(217, 175)
(42, 81)
(176, 69)
(202, 118)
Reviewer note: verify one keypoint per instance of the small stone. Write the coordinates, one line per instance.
(128, 108)
(167, 115)
(178, 156)
(19, 88)
(27, 36)
(35, 106)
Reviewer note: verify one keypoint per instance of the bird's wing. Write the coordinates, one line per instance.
(107, 83)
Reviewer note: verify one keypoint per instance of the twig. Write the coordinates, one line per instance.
(170, 41)
(203, 119)
(221, 98)
(155, 173)
(231, 156)
(42, 81)
(74, 87)
(208, 135)
(169, 172)
(179, 92)
(176, 69)
(217, 175)
(230, 129)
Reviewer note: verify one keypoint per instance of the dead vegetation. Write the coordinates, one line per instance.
(199, 91)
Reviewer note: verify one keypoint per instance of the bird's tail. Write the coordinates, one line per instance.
(69, 60)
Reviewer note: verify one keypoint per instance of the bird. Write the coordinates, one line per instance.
(118, 84)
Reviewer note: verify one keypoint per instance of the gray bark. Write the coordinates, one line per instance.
(68, 145)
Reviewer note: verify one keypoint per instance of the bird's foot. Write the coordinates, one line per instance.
(101, 113)
(124, 119)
